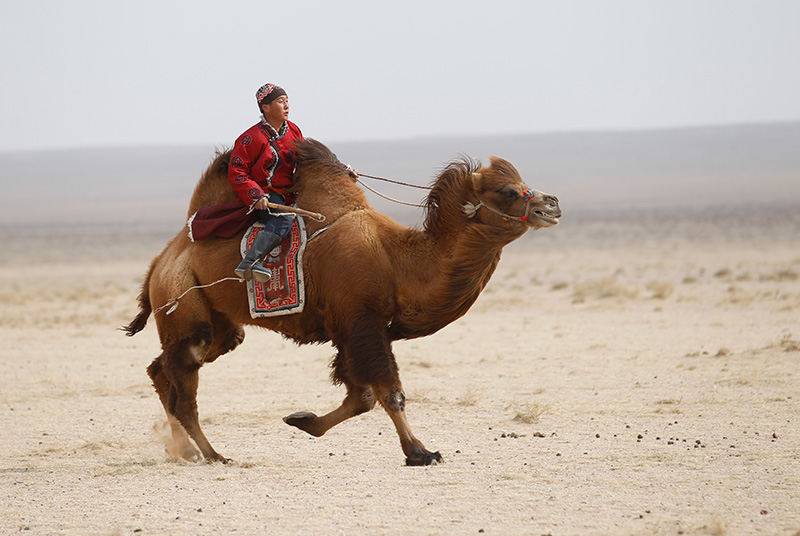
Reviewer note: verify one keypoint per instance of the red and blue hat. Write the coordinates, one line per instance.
(268, 93)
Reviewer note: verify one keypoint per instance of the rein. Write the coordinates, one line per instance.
(415, 205)
(395, 182)
(468, 208)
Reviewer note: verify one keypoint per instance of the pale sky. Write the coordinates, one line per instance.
(160, 72)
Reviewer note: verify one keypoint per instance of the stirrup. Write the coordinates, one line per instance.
(260, 273)
(244, 273)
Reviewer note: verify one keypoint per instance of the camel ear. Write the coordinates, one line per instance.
(476, 181)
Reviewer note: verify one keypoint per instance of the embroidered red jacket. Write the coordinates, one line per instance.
(263, 160)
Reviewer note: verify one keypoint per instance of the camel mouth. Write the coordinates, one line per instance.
(549, 219)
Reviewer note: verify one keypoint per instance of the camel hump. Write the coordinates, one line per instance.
(213, 188)
(312, 152)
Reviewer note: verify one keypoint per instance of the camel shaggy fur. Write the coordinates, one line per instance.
(369, 282)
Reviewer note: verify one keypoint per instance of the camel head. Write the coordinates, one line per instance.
(500, 190)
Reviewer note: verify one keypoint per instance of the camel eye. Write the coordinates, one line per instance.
(509, 193)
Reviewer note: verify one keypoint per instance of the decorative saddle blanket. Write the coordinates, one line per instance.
(285, 293)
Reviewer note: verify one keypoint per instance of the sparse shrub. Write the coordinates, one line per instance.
(529, 413)
(660, 289)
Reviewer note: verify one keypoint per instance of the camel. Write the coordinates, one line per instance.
(369, 281)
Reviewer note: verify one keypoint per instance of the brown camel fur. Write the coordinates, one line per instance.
(369, 281)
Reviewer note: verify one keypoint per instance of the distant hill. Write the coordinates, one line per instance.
(751, 166)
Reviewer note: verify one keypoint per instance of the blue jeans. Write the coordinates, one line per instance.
(279, 225)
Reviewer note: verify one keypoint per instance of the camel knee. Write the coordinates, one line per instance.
(198, 344)
(179, 365)
(394, 401)
(189, 352)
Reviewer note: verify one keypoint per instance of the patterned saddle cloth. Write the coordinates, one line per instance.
(285, 293)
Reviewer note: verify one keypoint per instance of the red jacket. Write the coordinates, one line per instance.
(262, 160)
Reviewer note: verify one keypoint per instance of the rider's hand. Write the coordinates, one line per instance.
(261, 204)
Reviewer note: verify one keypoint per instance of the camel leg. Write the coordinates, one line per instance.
(176, 377)
(180, 446)
(358, 400)
(368, 360)
(393, 400)
(182, 366)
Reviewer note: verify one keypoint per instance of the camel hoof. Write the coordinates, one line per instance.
(431, 458)
(187, 452)
(301, 417)
(303, 420)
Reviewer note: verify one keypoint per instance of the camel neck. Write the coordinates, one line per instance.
(458, 270)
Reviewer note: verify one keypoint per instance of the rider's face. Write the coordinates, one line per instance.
(277, 111)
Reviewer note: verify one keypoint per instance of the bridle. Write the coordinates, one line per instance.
(470, 209)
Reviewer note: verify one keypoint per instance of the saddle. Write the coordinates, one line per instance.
(284, 293)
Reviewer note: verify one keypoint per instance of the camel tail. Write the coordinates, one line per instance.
(145, 308)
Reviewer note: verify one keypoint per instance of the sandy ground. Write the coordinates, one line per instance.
(627, 377)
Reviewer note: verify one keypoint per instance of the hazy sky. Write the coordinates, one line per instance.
(154, 72)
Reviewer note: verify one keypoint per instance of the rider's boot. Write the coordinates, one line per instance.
(252, 266)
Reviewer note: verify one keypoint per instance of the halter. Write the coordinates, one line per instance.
(470, 209)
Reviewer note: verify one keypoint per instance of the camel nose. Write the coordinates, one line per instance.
(552, 204)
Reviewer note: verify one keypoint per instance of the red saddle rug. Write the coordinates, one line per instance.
(285, 293)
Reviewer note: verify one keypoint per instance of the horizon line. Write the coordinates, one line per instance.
(559, 132)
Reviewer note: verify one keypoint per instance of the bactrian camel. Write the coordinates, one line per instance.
(369, 282)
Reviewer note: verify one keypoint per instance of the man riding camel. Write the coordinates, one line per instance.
(261, 170)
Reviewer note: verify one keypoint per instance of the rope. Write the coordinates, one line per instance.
(318, 231)
(174, 301)
(390, 198)
(394, 182)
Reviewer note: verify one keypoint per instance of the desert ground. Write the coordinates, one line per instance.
(637, 375)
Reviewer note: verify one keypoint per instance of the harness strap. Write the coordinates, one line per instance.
(470, 210)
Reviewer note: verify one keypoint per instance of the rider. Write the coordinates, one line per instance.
(261, 169)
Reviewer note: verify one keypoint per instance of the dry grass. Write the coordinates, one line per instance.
(529, 413)
(421, 396)
(608, 287)
(723, 273)
(780, 275)
(469, 398)
(660, 290)
(789, 345)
